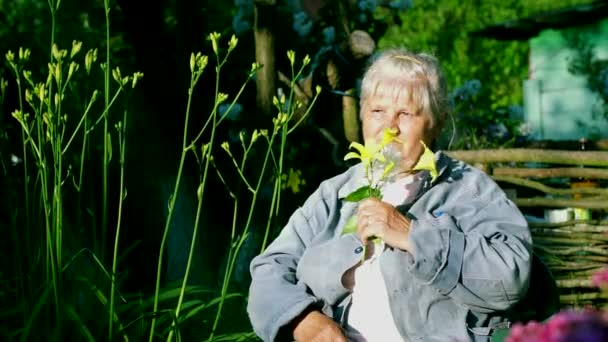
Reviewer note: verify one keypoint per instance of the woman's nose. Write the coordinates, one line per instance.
(394, 123)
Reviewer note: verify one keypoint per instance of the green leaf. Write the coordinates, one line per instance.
(359, 194)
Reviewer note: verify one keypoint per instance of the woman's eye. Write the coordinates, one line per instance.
(404, 114)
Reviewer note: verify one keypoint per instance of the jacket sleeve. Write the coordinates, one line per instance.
(301, 251)
(478, 251)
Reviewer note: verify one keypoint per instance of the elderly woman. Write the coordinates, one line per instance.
(456, 252)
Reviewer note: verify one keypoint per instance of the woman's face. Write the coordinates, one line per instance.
(380, 112)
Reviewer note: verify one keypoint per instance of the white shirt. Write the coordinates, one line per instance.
(370, 318)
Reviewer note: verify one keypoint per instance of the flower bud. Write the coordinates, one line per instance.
(226, 147)
(28, 95)
(89, 59)
(116, 74)
(254, 68)
(55, 52)
(202, 63)
(23, 54)
(232, 43)
(94, 96)
(136, 77)
(306, 60)
(10, 56)
(40, 91)
(57, 73)
(215, 36)
(76, 46)
(73, 67)
(291, 55)
(221, 97)
(17, 114)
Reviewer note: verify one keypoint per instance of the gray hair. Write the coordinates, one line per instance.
(417, 76)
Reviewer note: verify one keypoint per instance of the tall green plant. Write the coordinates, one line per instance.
(52, 124)
(45, 114)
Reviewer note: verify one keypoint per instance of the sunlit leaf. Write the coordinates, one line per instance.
(359, 194)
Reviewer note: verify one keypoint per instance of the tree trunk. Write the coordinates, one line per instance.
(264, 13)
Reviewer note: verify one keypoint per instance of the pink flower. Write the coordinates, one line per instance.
(600, 278)
(588, 325)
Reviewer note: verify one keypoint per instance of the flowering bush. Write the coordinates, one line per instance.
(587, 325)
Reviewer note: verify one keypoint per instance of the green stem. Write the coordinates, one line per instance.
(276, 190)
(82, 119)
(104, 177)
(123, 146)
(173, 198)
(200, 193)
(57, 193)
(238, 95)
(25, 158)
(281, 157)
(50, 226)
(231, 255)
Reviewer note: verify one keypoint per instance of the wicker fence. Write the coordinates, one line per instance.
(564, 195)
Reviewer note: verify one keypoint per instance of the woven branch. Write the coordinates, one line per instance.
(569, 172)
(574, 250)
(543, 224)
(550, 190)
(550, 240)
(549, 233)
(577, 229)
(590, 158)
(571, 283)
(572, 298)
(586, 203)
(573, 266)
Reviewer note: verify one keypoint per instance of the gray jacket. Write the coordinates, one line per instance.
(473, 254)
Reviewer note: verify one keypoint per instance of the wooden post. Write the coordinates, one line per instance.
(264, 13)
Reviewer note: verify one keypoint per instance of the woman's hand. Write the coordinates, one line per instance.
(314, 326)
(379, 219)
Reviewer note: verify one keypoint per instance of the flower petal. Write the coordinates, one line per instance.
(352, 155)
(427, 162)
(388, 136)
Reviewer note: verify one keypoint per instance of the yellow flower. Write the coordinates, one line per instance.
(427, 162)
(388, 136)
(366, 153)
